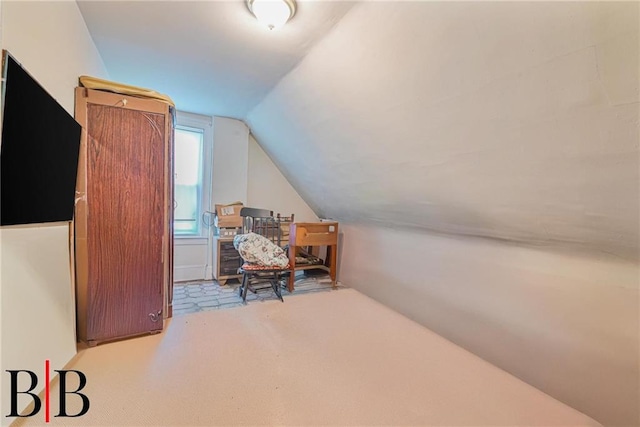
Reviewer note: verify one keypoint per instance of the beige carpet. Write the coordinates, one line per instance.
(335, 358)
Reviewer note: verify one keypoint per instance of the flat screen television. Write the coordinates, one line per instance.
(38, 152)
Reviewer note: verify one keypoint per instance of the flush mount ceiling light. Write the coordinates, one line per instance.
(272, 13)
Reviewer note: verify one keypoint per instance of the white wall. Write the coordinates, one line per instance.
(269, 189)
(51, 41)
(565, 322)
(230, 160)
(190, 259)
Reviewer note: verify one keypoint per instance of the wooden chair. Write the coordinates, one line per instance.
(261, 221)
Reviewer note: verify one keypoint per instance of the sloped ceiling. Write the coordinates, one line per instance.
(212, 57)
(507, 120)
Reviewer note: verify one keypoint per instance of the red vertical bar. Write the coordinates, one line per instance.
(46, 391)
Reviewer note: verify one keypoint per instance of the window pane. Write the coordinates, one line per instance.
(188, 179)
(188, 152)
(187, 198)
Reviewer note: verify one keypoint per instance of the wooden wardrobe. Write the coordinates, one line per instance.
(123, 225)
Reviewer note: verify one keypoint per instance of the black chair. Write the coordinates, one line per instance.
(262, 222)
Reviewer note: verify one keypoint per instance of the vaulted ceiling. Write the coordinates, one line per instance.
(508, 120)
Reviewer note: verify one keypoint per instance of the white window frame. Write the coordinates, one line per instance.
(198, 121)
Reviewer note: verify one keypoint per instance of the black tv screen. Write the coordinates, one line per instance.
(39, 152)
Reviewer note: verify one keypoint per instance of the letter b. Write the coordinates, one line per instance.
(37, 404)
(64, 392)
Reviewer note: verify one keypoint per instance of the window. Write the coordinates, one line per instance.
(188, 179)
(192, 166)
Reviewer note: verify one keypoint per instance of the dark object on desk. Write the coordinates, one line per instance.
(305, 258)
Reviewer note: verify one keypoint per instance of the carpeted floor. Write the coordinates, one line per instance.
(192, 297)
(324, 358)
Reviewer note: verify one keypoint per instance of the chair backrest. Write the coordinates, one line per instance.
(257, 213)
(261, 221)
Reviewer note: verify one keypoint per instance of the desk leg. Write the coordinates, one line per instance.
(333, 256)
(292, 262)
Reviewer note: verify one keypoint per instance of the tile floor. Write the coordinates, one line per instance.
(191, 297)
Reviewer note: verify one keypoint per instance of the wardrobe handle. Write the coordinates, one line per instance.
(156, 316)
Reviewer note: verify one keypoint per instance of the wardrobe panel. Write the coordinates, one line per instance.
(123, 230)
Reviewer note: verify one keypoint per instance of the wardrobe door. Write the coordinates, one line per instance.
(126, 205)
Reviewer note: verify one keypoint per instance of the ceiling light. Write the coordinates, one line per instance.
(272, 13)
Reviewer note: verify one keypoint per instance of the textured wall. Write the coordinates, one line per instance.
(268, 189)
(515, 122)
(512, 120)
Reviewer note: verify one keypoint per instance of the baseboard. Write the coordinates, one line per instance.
(190, 272)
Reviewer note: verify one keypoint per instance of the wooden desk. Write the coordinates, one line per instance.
(313, 234)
